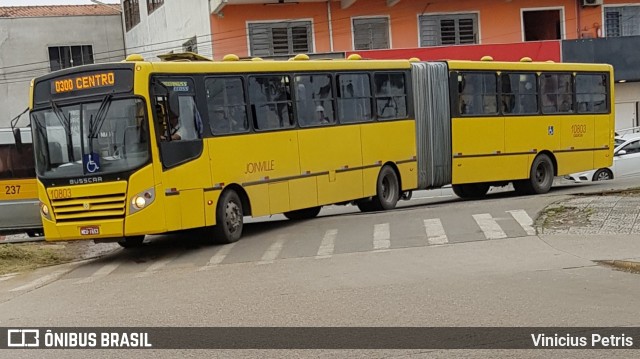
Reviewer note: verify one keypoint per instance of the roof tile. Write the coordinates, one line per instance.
(57, 10)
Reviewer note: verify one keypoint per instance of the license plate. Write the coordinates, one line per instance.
(90, 231)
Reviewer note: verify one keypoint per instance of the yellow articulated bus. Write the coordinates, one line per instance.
(135, 148)
(19, 203)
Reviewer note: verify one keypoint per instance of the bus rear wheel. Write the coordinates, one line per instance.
(470, 190)
(229, 218)
(131, 242)
(387, 190)
(540, 177)
(305, 213)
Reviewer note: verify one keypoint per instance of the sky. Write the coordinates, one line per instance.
(50, 2)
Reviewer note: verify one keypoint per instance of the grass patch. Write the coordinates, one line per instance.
(631, 192)
(564, 217)
(22, 257)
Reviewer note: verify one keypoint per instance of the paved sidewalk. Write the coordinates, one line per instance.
(616, 213)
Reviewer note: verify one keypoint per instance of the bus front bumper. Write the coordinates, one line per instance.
(100, 229)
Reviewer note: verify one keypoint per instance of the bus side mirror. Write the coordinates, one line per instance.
(174, 104)
(17, 137)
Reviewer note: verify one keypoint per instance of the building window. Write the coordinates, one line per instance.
(280, 38)
(131, 13)
(152, 5)
(458, 29)
(622, 21)
(371, 33)
(542, 25)
(191, 45)
(62, 57)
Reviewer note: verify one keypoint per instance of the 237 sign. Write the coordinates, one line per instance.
(12, 190)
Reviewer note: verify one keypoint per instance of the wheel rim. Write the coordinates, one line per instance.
(233, 217)
(602, 176)
(542, 173)
(388, 188)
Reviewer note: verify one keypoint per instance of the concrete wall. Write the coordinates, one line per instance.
(169, 27)
(24, 52)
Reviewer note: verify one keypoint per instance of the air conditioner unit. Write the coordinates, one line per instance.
(591, 2)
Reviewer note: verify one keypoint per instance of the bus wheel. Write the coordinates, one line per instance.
(540, 178)
(229, 218)
(131, 242)
(470, 190)
(388, 190)
(306, 213)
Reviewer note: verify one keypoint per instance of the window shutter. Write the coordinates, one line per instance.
(283, 38)
(260, 40)
(436, 30)
(371, 33)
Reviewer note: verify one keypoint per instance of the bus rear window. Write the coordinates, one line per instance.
(17, 164)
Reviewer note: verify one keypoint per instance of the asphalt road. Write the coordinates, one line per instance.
(435, 261)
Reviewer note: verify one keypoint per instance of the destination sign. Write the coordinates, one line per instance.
(74, 83)
(83, 82)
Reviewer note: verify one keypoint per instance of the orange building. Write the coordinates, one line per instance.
(272, 27)
(559, 30)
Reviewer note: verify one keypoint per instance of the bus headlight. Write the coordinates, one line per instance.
(44, 209)
(142, 200)
(139, 202)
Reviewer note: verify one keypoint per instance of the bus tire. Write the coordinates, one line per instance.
(540, 177)
(470, 190)
(387, 190)
(365, 205)
(306, 213)
(131, 242)
(229, 218)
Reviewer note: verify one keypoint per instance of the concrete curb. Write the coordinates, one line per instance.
(623, 265)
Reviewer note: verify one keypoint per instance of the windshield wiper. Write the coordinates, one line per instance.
(95, 123)
(66, 125)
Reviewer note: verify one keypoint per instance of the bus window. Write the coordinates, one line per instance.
(477, 94)
(591, 93)
(556, 93)
(314, 100)
(226, 105)
(271, 103)
(391, 97)
(15, 164)
(519, 93)
(354, 98)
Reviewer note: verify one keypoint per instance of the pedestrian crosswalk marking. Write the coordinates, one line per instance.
(524, 220)
(432, 227)
(489, 226)
(220, 255)
(328, 244)
(156, 266)
(435, 231)
(381, 237)
(41, 281)
(273, 251)
(102, 272)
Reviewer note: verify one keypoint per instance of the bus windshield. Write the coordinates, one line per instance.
(106, 136)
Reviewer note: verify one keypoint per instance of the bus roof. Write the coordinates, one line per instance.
(526, 66)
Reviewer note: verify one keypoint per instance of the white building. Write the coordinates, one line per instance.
(35, 40)
(156, 27)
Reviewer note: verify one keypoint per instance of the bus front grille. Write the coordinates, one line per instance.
(90, 208)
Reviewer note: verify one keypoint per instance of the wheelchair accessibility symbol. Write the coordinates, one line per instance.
(91, 162)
